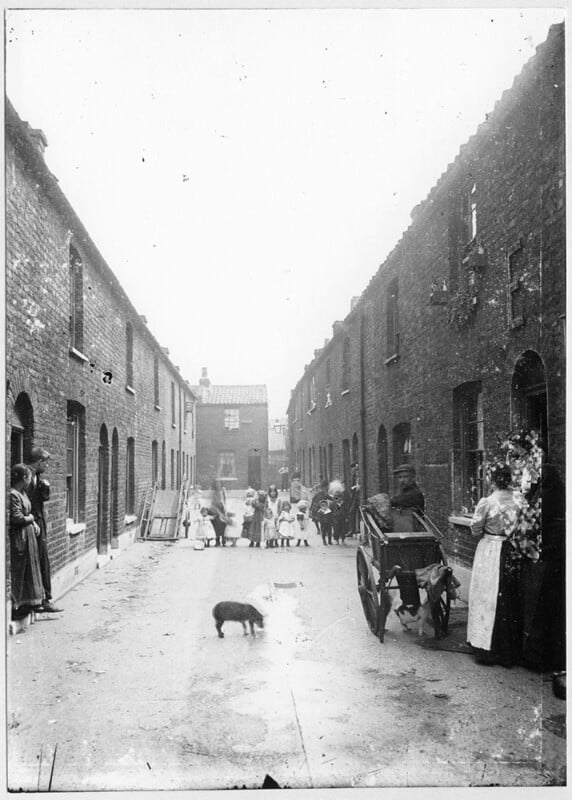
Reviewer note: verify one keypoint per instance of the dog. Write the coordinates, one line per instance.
(408, 606)
(229, 611)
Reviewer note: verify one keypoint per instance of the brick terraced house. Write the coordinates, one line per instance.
(232, 434)
(86, 379)
(459, 336)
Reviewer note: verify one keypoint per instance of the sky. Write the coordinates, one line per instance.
(245, 173)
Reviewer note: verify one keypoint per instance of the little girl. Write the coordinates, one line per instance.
(286, 521)
(269, 528)
(247, 513)
(205, 531)
(302, 522)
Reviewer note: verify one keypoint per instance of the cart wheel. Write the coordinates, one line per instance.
(368, 591)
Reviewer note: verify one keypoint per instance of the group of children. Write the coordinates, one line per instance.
(281, 522)
(272, 522)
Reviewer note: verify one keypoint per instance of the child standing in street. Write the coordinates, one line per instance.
(269, 528)
(302, 522)
(204, 531)
(286, 524)
(247, 513)
(326, 520)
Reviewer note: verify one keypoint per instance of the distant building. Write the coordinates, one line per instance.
(232, 434)
(277, 452)
(86, 379)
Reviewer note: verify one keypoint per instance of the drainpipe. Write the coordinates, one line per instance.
(363, 470)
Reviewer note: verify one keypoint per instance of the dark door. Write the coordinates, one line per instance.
(103, 500)
(255, 471)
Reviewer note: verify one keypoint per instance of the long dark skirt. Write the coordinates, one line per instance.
(506, 644)
(26, 579)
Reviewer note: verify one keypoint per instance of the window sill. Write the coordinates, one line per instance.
(77, 354)
(346, 391)
(157, 408)
(460, 519)
(392, 359)
(130, 389)
(130, 519)
(74, 528)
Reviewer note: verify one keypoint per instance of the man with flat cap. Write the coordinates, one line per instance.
(410, 495)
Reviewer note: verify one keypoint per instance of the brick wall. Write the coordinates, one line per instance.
(40, 226)
(516, 162)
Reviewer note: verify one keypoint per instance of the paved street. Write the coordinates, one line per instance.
(137, 691)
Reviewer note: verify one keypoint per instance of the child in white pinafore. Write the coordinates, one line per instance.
(302, 523)
(269, 528)
(204, 530)
(286, 521)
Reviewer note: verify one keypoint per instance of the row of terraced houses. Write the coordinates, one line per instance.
(460, 335)
(87, 381)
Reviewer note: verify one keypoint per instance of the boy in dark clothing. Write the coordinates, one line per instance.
(325, 520)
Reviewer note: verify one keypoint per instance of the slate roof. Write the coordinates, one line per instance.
(231, 395)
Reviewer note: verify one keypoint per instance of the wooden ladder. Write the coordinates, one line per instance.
(147, 513)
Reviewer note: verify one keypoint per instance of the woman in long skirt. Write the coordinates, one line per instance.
(26, 578)
(494, 625)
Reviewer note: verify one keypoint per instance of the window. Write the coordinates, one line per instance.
(76, 300)
(330, 462)
(516, 270)
(173, 406)
(22, 430)
(75, 462)
(156, 382)
(231, 419)
(346, 368)
(328, 374)
(172, 483)
(154, 462)
(178, 469)
(468, 444)
(163, 467)
(346, 461)
(129, 354)
(469, 214)
(392, 321)
(383, 477)
(130, 477)
(226, 464)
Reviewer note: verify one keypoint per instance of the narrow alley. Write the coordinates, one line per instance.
(136, 691)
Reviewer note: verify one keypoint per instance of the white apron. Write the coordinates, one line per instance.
(483, 591)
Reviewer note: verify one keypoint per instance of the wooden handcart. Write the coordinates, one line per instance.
(387, 560)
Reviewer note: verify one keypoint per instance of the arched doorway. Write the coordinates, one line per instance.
(103, 492)
(382, 471)
(529, 406)
(22, 430)
(114, 497)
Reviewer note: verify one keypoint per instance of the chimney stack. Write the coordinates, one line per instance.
(354, 302)
(205, 380)
(38, 137)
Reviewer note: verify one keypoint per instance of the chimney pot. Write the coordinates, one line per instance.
(205, 380)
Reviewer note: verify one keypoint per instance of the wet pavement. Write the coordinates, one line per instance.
(133, 686)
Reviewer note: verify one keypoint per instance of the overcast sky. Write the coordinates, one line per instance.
(244, 173)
